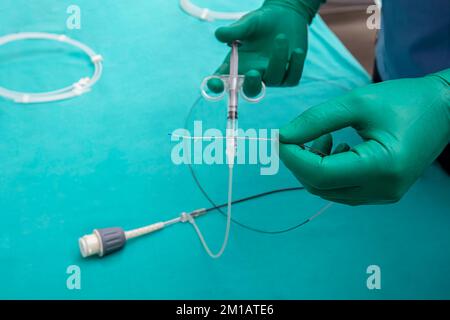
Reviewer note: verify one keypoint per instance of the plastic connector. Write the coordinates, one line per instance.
(205, 15)
(102, 242)
(96, 58)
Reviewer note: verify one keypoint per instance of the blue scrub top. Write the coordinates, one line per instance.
(414, 39)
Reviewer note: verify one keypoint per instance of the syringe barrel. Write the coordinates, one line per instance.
(231, 140)
(233, 98)
(233, 89)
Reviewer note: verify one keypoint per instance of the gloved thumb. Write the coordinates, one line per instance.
(240, 30)
(318, 121)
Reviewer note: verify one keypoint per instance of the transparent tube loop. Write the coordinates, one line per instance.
(207, 14)
(76, 89)
(227, 228)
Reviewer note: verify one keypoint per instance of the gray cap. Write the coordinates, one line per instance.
(113, 239)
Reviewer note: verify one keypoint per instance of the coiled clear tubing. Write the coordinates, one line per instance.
(78, 88)
(227, 228)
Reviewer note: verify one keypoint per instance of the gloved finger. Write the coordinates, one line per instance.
(346, 193)
(357, 200)
(317, 121)
(335, 171)
(240, 30)
(342, 147)
(295, 68)
(349, 202)
(352, 196)
(322, 145)
(252, 83)
(334, 196)
(216, 85)
(276, 68)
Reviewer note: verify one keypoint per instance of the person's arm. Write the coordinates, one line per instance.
(274, 44)
(405, 124)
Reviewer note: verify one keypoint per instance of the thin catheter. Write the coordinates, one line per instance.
(109, 240)
(76, 89)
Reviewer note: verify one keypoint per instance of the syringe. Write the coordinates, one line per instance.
(232, 118)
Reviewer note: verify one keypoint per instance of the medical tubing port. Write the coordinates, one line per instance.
(102, 242)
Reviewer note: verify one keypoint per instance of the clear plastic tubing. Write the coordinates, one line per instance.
(78, 88)
(227, 229)
(207, 14)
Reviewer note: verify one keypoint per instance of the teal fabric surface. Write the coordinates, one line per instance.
(103, 159)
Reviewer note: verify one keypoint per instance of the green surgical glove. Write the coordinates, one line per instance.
(274, 44)
(405, 124)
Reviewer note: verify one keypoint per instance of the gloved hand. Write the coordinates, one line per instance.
(405, 124)
(274, 44)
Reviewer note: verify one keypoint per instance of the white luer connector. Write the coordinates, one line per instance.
(90, 244)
